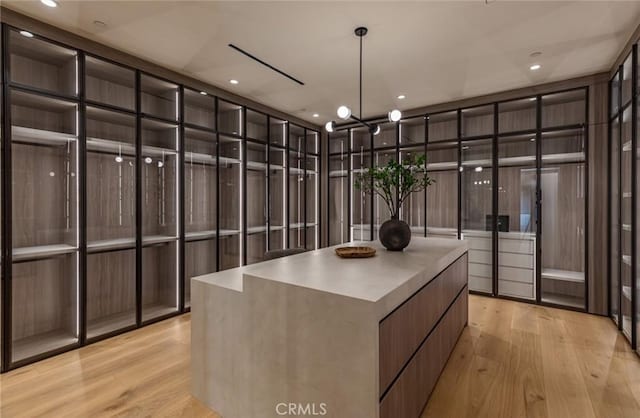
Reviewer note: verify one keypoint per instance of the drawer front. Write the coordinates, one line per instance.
(480, 284)
(515, 274)
(479, 256)
(517, 289)
(480, 270)
(409, 394)
(479, 243)
(524, 261)
(404, 329)
(522, 246)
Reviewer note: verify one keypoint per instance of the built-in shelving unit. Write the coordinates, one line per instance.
(510, 178)
(125, 185)
(624, 153)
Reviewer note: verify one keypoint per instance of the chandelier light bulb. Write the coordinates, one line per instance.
(376, 129)
(344, 112)
(395, 115)
(330, 126)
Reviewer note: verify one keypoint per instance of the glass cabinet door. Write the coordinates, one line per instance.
(338, 187)
(413, 208)
(199, 110)
(313, 189)
(626, 237)
(160, 187)
(200, 206)
(614, 220)
(442, 195)
(277, 197)
(296, 186)
(230, 206)
(517, 220)
(477, 211)
(256, 203)
(360, 201)
(562, 185)
(44, 197)
(111, 221)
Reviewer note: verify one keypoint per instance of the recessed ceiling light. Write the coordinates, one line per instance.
(315, 115)
(100, 23)
(49, 3)
(26, 33)
(233, 81)
(535, 67)
(204, 93)
(401, 97)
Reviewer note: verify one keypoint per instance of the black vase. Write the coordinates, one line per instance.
(394, 234)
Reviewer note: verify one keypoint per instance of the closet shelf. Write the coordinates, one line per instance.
(110, 146)
(563, 275)
(157, 239)
(626, 292)
(41, 137)
(27, 347)
(41, 251)
(448, 165)
(296, 226)
(190, 236)
(111, 244)
(148, 151)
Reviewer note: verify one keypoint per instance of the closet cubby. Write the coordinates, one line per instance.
(42, 65)
(517, 115)
(257, 126)
(111, 292)
(296, 138)
(477, 121)
(159, 280)
(277, 132)
(199, 109)
(230, 118)
(200, 259)
(411, 131)
(110, 84)
(159, 98)
(564, 109)
(312, 146)
(44, 305)
(443, 126)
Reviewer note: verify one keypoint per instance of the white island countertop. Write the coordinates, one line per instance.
(386, 279)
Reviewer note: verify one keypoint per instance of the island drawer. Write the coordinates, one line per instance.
(410, 392)
(403, 330)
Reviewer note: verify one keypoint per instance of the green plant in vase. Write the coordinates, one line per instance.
(394, 183)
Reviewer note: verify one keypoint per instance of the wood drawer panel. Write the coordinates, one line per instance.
(479, 256)
(480, 284)
(522, 246)
(480, 270)
(515, 274)
(402, 331)
(524, 261)
(409, 394)
(509, 288)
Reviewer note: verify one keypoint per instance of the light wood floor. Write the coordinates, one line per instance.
(514, 360)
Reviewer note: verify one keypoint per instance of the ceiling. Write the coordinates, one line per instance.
(432, 52)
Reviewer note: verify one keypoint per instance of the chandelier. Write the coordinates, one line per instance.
(345, 113)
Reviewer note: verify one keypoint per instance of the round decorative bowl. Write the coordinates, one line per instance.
(355, 252)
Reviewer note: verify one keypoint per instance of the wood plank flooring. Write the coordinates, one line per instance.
(514, 360)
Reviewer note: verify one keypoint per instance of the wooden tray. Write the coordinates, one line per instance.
(355, 252)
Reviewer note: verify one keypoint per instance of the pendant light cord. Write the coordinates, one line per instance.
(361, 77)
